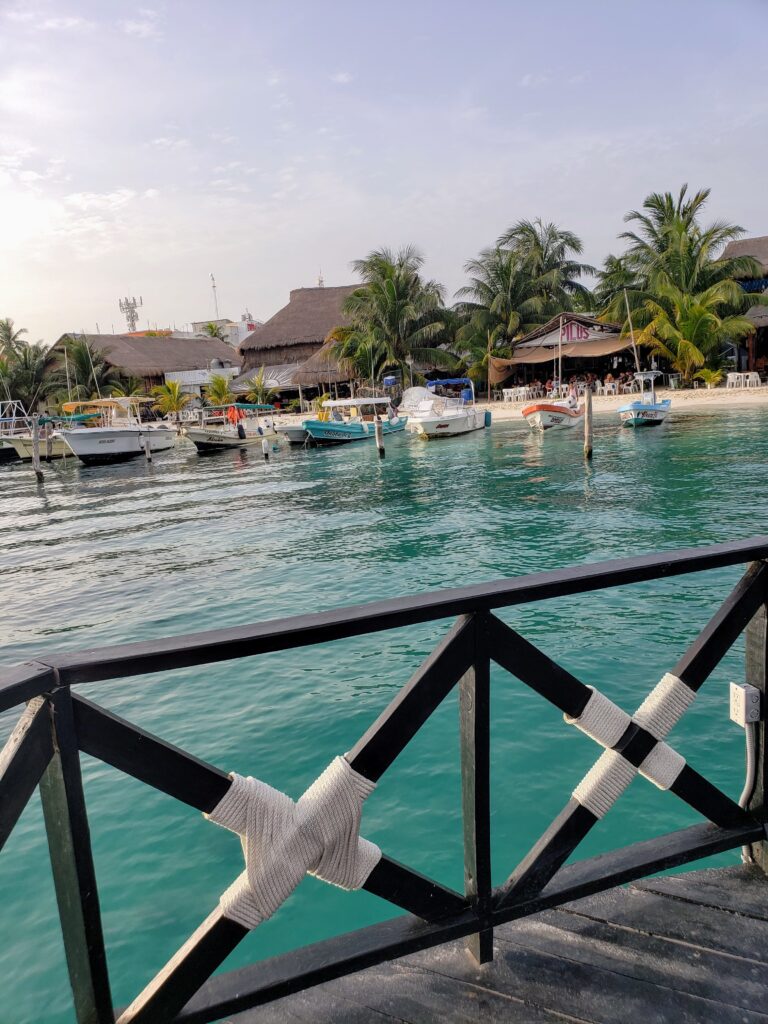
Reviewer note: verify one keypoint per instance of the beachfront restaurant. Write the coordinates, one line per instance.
(586, 345)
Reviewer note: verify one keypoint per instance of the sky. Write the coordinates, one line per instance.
(143, 148)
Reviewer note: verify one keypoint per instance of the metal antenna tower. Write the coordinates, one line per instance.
(215, 298)
(128, 308)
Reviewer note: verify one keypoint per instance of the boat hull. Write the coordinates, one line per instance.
(549, 416)
(99, 445)
(23, 448)
(463, 422)
(331, 432)
(218, 441)
(294, 434)
(639, 414)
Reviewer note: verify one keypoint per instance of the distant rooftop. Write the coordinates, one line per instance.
(310, 314)
(757, 248)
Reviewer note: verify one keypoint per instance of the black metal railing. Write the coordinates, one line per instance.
(58, 723)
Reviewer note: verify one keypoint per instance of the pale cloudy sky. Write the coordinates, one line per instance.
(143, 147)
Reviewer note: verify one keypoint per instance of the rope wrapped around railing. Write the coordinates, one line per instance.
(605, 722)
(282, 840)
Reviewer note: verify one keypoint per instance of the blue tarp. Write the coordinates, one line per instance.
(463, 381)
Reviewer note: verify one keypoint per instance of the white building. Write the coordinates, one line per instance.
(233, 331)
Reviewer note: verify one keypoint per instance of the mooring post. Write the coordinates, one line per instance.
(757, 674)
(265, 448)
(36, 448)
(379, 432)
(587, 422)
(475, 719)
(48, 443)
(147, 448)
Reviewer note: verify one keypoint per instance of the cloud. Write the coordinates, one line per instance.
(66, 24)
(170, 142)
(341, 77)
(533, 79)
(102, 202)
(144, 26)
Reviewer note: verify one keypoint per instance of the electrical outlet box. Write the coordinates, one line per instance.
(745, 704)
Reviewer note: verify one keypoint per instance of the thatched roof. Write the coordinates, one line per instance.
(152, 357)
(310, 314)
(757, 248)
(322, 368)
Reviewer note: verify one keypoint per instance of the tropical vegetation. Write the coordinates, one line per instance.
(218, 390)
(170, 400)
(258, 392)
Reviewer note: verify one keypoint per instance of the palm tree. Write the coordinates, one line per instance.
(213, 330)
(10, 339)
(395, 316)
(689, 330)
(171, 400)
(218, 391)
(90, 373)
(24, 375)
(128, 387)
(548, 253)
(258, 392)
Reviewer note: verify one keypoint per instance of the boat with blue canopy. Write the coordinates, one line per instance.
(354, 419)
(646, 410)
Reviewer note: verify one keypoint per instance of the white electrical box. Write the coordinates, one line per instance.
(745, 703)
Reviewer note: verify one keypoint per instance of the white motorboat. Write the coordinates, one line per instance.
(553, 415)
(439, 411)
(647, 410)
(120, 434)
(294, 433)
(239, 426)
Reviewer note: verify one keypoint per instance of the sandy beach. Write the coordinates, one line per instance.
(683, 402)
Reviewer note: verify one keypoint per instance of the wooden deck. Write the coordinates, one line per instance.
(681, 949)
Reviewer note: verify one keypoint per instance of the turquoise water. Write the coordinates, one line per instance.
(128, 552)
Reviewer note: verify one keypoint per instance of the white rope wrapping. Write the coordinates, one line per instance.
(605, 722)
(662, 765)
(602, 720)
(604, 783)
(664, 706)
(319, 834)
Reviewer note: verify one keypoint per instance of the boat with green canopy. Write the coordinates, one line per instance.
(238, 426)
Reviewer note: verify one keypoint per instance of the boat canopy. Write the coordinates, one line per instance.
(106, 403)
(350, 403)
(81, 417)
(252, 406)
(462, 381)
(647, 374)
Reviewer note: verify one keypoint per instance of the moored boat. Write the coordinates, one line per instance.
(294, 433)
(646, 410)
(553, 415)
(239, 427)
(350, 422)
(120, 435)
(446, 414)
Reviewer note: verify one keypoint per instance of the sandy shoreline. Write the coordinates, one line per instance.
(683, 402)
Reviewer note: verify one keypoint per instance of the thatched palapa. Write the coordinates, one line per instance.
(297, 331)
(322, 368)
(152, 357)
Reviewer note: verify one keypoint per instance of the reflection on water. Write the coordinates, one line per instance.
(133, 551)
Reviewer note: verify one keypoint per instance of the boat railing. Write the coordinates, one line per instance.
(58, 723)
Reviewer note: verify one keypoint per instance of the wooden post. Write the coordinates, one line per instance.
(265, 448)
(48, 443)
(587, 422)
(475, 716)
(69, 843)
(379, 433)
(756, 664)
(36, 448)
(147, 448)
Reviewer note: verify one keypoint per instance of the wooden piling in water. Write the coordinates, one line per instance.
(378, 430)
(587, 423)
(36, 448)
(147, 448)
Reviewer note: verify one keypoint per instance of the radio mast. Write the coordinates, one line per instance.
(128, 308)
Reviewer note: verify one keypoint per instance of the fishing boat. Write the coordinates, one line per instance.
(443, 412)
(553, 415)
(294, 433)
(354, 419)
(19, 438)
(646, 410)
(120, 433)
(14, 421)
(238, 426)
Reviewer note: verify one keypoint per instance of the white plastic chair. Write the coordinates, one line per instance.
(753, 380)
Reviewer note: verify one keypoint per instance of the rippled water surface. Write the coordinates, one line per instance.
(105, 555)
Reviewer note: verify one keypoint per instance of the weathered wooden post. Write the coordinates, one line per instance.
(587, 422)
(147, 448)
(475, 718)
(36, 448)
(379, 432)
(48, 443)
(265, 448)
(757, 674)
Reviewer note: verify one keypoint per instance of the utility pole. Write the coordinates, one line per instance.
(215, 298)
